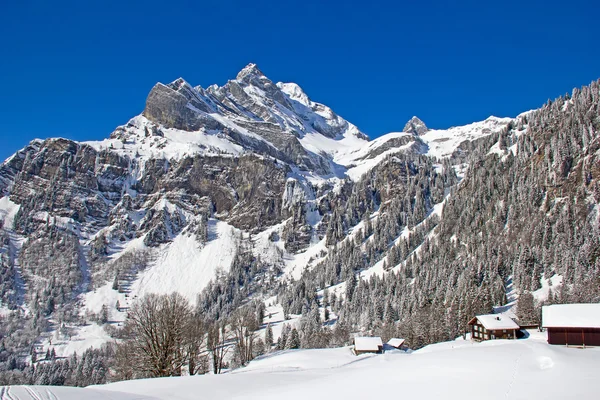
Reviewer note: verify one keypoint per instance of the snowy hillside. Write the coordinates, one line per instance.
(499, 369)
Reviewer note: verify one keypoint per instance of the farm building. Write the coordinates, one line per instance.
(396, 343)
(572, 324)
(368, 345)
(493, 326)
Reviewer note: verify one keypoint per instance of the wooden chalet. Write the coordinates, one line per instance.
(368, 345)
(572, 324)
(493, 326)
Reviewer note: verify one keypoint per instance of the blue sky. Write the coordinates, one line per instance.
(78, 69)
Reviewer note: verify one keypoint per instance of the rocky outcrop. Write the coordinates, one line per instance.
(245, 191)
(415, 126)
(65, 179)
(172, 108)
(406, 144)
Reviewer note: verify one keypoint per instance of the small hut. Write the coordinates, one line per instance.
(396, 343)
(368, 345)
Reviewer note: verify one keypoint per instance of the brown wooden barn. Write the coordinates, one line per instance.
(572, 324)
(493, 326)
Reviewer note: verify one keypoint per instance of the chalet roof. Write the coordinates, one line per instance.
(493, 322)
(367, 343)
(395, 342)
(571, 316)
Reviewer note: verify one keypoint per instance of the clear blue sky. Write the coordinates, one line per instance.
(78, 69)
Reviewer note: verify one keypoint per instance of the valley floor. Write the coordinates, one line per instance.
(501, 369)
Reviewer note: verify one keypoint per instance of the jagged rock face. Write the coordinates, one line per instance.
(65, 179)
(169, 107)
(180, 106)
(247, 191)
(280, 114)
(297, 232)
(415, 126)
(73, 181)
(251, 75)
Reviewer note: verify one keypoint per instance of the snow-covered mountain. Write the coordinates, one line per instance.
(242, 191)
(251, 114)
(213, 162)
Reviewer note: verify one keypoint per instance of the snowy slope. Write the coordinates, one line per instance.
(437, 143)
(359, 156)
(442, 142)
(184, 266)
(175, 144)
(8, 210)
(499, 369)
(64, 393)
(519, 369)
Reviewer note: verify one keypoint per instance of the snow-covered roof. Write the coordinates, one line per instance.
(571, 316)
(367, 343)
(493, 322)
(395, 342)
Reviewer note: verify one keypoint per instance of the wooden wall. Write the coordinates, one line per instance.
(574, 336)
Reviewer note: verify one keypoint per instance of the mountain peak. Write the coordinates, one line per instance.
(295, 92)
(250, 70)
(415, 126)
(178, 84)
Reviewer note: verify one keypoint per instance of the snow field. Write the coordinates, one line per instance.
(498, 369)
(185, 266)
(495, 369)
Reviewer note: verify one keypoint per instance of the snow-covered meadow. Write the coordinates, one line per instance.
(500, 369)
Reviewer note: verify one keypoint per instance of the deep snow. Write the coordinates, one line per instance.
(499, 369)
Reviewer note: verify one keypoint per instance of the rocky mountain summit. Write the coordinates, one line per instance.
(415, 126)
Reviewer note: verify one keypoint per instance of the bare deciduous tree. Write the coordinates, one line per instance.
(196, 343)
(244, 327)
(158, 339)
(217, 343)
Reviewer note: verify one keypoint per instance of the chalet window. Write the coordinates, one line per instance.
(485, 336)
(504, 331)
